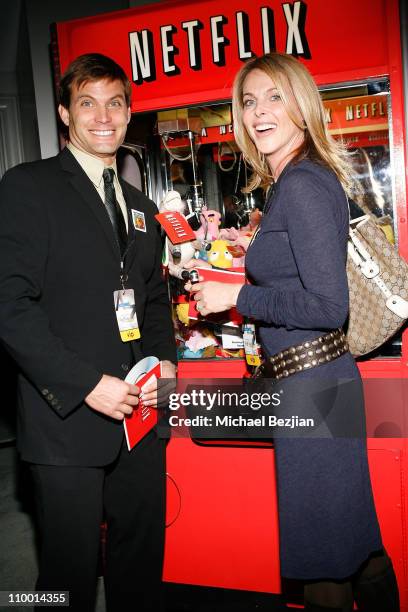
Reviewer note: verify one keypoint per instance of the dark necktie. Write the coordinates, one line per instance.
(114, 211)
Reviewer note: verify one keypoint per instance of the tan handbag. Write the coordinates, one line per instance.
(378, 287)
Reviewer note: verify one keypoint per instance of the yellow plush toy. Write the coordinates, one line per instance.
(219, 255)
(182, 313)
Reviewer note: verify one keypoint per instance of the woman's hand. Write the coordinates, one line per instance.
(212, 296)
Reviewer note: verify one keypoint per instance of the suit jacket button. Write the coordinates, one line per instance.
(45, 391)
(54, 402)
(50, 396)
(124, 367)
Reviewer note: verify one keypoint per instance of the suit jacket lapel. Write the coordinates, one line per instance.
(131, 248)
(86, 190)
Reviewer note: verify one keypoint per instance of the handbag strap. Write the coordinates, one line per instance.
(361, 256)
(356, 250)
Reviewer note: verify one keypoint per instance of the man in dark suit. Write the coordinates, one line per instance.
(71, 234)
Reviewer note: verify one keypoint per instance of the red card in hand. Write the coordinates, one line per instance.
(143, 418)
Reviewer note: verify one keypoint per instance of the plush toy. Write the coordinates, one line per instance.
(239, 242)
(176, 255)
(210, 223)
(236, 237)
(201, 342)
(182, 313)
(241, 238)
(219, 255)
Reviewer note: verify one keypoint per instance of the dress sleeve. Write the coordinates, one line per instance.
(319, 253)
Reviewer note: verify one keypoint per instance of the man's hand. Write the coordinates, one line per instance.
(113, 397)
(157, 394)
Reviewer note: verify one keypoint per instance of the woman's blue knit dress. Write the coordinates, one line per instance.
(299, 291)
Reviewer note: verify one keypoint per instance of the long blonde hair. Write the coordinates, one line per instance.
(293, 82)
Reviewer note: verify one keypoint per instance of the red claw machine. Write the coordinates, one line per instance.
(181, 57)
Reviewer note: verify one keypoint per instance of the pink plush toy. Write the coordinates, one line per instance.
(210, 223)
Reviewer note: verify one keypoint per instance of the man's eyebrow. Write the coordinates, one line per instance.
(84, 95)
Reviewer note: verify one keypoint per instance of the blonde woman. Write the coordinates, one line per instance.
(298, 293)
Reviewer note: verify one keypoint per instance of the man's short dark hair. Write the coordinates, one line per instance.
(91, 67)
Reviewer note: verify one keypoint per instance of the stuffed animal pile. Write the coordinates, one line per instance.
(213, 246)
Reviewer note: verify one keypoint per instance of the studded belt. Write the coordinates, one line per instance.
(306, 356)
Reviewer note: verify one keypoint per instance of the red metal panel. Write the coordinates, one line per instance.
(221, 368)
(226, 533)
(221, 499)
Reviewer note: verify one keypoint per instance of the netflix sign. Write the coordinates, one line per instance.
(178, 53)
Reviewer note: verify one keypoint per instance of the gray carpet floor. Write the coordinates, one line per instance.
(18, 559)
(18, 564)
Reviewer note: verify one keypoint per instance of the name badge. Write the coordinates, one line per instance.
(125, 310)
(251, 346)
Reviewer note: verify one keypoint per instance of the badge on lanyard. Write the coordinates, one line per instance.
(139, 222)
(251, 346)
(125, 309)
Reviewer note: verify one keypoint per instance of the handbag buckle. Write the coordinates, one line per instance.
(369, 268)
(398, 306)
